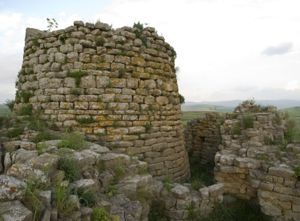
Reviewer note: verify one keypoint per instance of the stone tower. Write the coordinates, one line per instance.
(118, 86)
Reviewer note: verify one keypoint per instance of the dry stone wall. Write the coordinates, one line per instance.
(202, 137)
(185, 203)
(256, 162)
(118, 86)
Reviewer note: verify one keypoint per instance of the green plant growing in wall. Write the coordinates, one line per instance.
(139, 28)
(21, 72)
(35, 42)
(62, 38)
(76, 91)
(148, 127)
(51, 24)
(26, 109)
(25, 96)
(119, 172)
(181, 99)
(167, 183)
(15, 132)
(247, 121)
(77, 75)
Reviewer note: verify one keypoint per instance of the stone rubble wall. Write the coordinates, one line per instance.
(202, 137)
(184, 203)
(127, 196)
(118, 86)
(254, 162)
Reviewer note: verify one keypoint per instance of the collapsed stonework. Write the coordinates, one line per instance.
(256, 162)
(117, 86)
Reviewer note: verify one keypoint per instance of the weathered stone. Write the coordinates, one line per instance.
(23, 171)
(11, 188)
(180, 191)
(86, 184)
(15, 211)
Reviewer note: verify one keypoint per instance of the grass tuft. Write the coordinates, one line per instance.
(70, 167)
(73, 141)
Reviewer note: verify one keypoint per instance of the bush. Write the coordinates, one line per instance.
(44, 136)
(15, 132)
(119, 172)
(139, 28)
(100, 214)
(25, 110)
(25, 96)
(77, 75)
(35, 123)
(73, 141)
(111, 191)
(86, 197)
(62, 194)
(69, 166)
(290, 132)
(248, 121)
(203, 174)
(10, 104)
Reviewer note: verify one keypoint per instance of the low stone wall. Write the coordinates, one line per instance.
(184, 203)
(255, 162)
(202, 137)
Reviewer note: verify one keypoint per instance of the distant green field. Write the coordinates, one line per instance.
(4, 110)
(205, 108)
(190, 115)
(294, 113)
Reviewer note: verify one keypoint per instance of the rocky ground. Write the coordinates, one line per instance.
(72, 179)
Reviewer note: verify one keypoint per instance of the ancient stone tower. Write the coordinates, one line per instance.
(117, 86)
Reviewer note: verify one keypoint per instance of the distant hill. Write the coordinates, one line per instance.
(4, 110)
(227, 106)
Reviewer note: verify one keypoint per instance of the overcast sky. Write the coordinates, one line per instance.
(226, 49)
